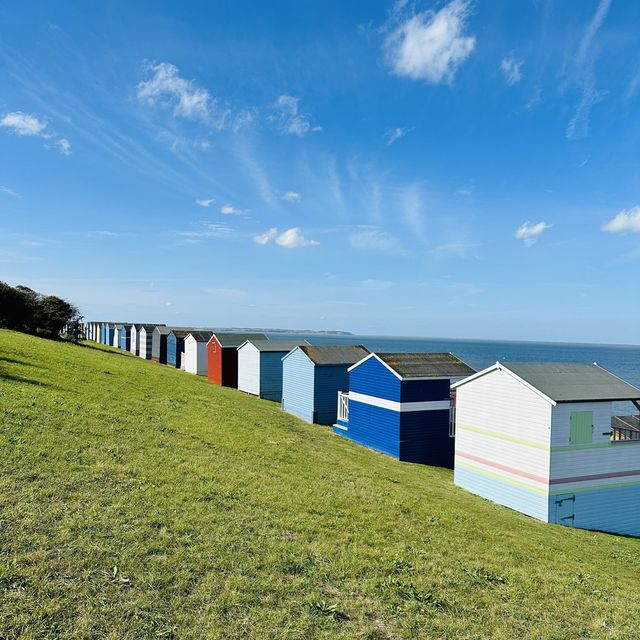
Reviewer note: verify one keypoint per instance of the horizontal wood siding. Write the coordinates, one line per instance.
(249, 369)
(374, 379)
(424, 438)
(521, 498)
(374, 427)
(502, 443)
(146, 346)
(133, 347)
(615, 510)
(298, 385)
(195, 356)
(328, 381)
(424, 390)
(271, 375)
(125, 339)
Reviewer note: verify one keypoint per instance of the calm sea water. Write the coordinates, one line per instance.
(622, 360)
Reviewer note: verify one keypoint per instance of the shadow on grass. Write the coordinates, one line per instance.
(10, 377)
(15, 361)
(119, 352)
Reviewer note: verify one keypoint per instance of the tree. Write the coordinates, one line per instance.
(16, 307)
(53, 314)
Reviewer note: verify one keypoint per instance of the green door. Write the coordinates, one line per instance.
(581, 427)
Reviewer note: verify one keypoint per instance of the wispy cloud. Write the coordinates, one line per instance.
(393, 135)
(9, 192)
(454, 249)
(291, 196)
(207, 230)
(228, 210)
(167, 87)
(26, 124)
(289, 120)
(584, 76)
(512, 69)
(626, 221)
(288, 239)
(373, 239)
(204, 202)
(529, 233)
(430, 45)
(372, 283)
(592, 29)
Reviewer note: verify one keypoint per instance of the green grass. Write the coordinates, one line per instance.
(137, 501)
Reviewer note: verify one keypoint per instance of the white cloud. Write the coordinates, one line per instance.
(9, 192)
(293, 238)
(291, 196)
(26, 124)
(375, 240)
(228, 210)
(266, 237)
(166, 85)
(289, 239)
(395, 134)
(511, 68)
(64, 146)
(628, 220)
(529, 233)
(23, 124)
(430, 45)
(204, 202)
(289, 119)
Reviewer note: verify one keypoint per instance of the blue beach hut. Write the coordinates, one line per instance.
(109, 333)
(400, 404)
(124, 336)
(103, 332)
(175, 346)
(312, 377)
(260, 366)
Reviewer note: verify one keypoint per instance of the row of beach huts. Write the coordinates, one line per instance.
(540, 438)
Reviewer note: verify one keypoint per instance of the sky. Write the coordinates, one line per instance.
(463, 169)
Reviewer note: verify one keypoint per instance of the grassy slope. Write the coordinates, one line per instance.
(138, 501)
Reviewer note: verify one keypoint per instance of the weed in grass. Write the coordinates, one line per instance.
(483, 576)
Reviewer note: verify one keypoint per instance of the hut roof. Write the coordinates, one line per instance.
(574, 382)
(283, 346)
(201, 336)
(231, 339)
(426, 365)
(335, 354)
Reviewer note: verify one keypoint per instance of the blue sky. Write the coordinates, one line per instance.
(457, 169)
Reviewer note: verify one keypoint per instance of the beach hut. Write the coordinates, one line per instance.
(110, 328)
(124, 336)
(175, 346)
(145, 340)
(222, 356)
(134, 347)
(400, 404)
(159, 343)
(195, 352)
(103, 333)
(312, 376)
(260, 366)
(544, 439)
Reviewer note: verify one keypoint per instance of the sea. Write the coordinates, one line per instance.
(622, 360)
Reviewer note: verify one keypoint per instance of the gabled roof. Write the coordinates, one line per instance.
(574, 382)
(146, 327)
(334, 354)
(281, 346)
(182, 332)
(164, 330)
(201, 336)
(422, 365)
(566, 382)
(230, 339)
